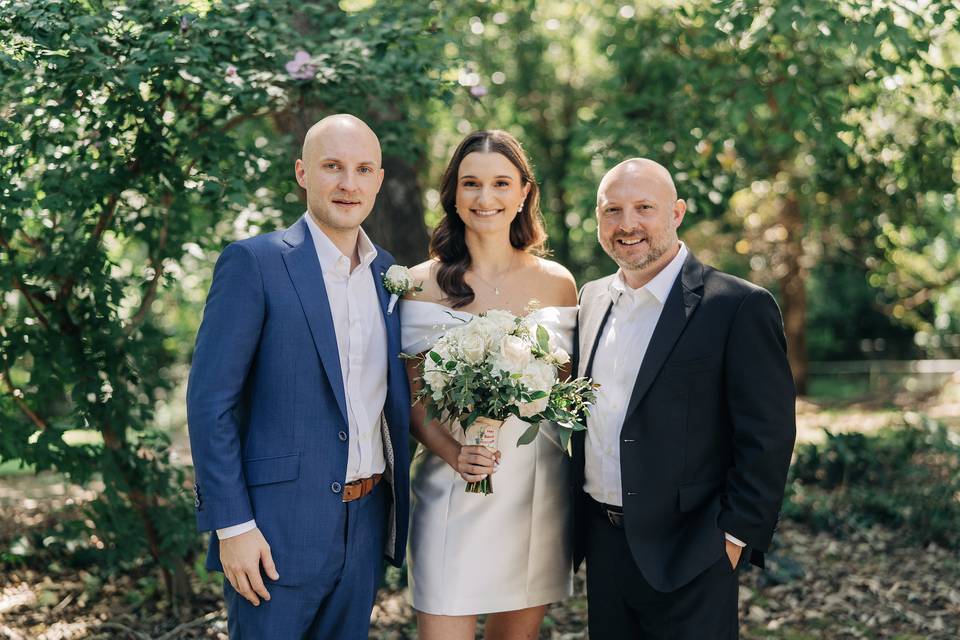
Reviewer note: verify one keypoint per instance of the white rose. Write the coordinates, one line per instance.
(533, 407)
(504, 321)
(514, 354)
(436, 380)
(434, 375)
(538, 375)
(489, 329)
(399, 276)
(473, 348)
(558, 357)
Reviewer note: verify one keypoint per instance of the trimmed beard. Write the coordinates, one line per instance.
(653, 254)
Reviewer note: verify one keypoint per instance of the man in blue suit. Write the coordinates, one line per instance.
(298, 408)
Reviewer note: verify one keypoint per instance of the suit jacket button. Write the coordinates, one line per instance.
(335, 487)
(343, 436)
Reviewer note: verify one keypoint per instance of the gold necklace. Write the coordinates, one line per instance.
(496, 287)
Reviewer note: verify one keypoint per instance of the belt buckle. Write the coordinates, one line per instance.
(353, 490)
(359, 488)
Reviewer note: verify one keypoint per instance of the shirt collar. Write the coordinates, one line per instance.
(332, 260)
(659, 286)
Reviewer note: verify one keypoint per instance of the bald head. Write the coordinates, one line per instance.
(341, 171)
(340, 128)
(637, 218)
(639, 170)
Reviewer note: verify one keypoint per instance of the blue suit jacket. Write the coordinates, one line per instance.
(266, 406)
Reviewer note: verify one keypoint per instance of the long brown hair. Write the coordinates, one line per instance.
(448, 244)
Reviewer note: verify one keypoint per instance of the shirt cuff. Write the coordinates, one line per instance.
(735, 541)
(237, 529)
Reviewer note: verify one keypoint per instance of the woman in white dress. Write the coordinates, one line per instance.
(507, 554)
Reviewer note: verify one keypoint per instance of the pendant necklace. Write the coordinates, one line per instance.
(496, 288)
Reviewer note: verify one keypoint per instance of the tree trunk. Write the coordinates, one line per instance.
(793, 290)
(396, 222)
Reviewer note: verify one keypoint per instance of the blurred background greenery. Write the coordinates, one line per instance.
(816, 143)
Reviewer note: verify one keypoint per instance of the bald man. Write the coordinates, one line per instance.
(298, 408)
(681, 472)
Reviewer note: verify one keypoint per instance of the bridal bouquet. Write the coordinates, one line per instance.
(499, 365)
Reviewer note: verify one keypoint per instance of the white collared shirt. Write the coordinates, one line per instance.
(632, 320)
(362, 344)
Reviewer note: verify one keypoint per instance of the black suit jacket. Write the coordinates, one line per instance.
(709, 429)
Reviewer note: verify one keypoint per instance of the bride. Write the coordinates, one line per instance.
(507, 554)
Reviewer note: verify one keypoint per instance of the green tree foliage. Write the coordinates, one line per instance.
(811, 125)
(528, 67)
(801, 133)
(134, 139)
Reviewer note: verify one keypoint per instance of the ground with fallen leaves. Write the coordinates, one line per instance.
(818, 586)
(860, 584)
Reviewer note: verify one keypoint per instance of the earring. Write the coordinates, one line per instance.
(520, 209)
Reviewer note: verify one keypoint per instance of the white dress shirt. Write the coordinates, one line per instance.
(362, 345)
(632, 320)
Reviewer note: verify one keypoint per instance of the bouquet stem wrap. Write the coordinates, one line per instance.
(486, 433)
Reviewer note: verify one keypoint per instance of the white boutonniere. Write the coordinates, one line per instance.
(397, 281)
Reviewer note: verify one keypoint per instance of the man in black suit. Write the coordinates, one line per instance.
(682, 469)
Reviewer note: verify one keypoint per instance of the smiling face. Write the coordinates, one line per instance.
(341, 173)
(490, 190)
(637, 218)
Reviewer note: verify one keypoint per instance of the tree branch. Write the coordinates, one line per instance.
(120, 627)
(924, 294)
(22, 288)
(202, 621)
(33, 242)
(157, 262)
(106, 216)
(34, 418)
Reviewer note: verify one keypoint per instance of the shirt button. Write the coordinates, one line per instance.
(335, 487)
(343, 436)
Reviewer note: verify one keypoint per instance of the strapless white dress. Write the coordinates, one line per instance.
(471, 553)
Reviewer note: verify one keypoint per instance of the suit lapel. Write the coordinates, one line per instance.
(682, 301)
(379, 267)
(594, 313)
(307, 277)
(391, 323)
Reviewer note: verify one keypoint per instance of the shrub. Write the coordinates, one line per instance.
(907, 478)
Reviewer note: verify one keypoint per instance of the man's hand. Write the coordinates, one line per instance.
(733, 553)
(241, 557)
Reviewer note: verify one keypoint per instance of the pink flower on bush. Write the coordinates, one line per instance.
(300, 68)
(232, 76)
(478, 91)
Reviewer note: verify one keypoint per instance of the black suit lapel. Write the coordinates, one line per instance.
(596, 340)
(683, 299)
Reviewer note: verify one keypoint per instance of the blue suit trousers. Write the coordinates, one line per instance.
(337, 604)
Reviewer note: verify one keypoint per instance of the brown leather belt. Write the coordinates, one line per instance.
(359, 488)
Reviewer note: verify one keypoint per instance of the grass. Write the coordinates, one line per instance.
(834, 388)
(15, 468)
